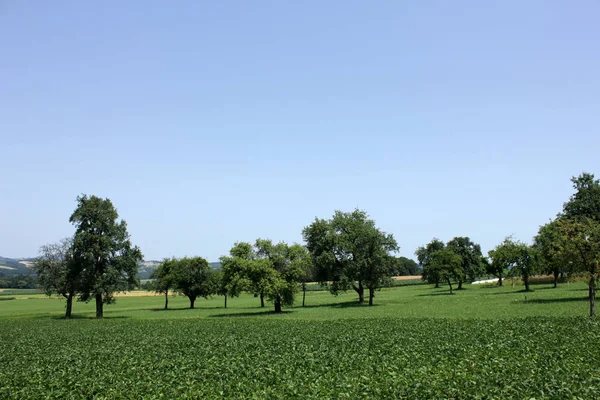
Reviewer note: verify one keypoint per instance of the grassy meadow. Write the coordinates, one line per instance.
(415, 342)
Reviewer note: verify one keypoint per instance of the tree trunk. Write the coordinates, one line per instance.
(99, 306)
(303, 293)
(450, 284)
(192, 301)
(500, 280)
(166, 299)
(225, 301)
(69, 306)
(437, 283)
(371, 295)
(526, 280)
(360, 290)
(459, 285)
(592, 296)
(277, 304)
(555, 278)
(262, 300)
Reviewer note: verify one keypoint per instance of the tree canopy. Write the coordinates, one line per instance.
(106, 260)
(349, 251)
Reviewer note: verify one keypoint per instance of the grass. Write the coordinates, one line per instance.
(416, 342)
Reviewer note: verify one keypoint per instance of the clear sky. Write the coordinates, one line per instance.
(208, 123)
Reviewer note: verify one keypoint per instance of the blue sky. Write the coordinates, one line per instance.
(208, 123)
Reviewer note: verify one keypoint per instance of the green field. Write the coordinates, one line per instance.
(416, 342)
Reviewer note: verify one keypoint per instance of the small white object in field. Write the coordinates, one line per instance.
(485, 281)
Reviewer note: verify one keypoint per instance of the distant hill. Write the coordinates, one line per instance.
(11, 266)
(21, 266)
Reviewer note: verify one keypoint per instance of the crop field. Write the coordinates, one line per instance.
(416, 342)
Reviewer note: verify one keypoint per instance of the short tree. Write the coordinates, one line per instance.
(581, 243)
(448, 264)
(191, 277)
(56, 272)
(102, 252)
(550, 244)
(431, 273)
(163, 279)
(520, 259)
(470, 254)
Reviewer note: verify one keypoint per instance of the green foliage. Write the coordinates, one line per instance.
(448, 265)
(387, 357)
(18, 281)
(431, 273)
(403, 266)
(520, 259)
(191, 276)
(471, 259)
(585, 202)
(104, 260)
(351, 252)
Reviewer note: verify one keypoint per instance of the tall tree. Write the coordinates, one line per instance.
(581, 243)
(494, 266)
(233, 269)
(56, 272)
(300, 256)
(191, 277)
(470, 254)
(102, 251)
(163, 279)
(520, 259)
(350, 252)
(424, 254)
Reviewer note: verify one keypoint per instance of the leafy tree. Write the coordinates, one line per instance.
(581, 243)
(102, 252)
(284, 265)
(163, 279)
(424, 254)
(405, 266)
(299, 256)
(234, 268)
(521, 260)
(192, 278)
(448, 264)
(56, 272)
(220, 285)
(550, 244)
(585, 202)
(470, 254)
(350, 252)
(494, 267)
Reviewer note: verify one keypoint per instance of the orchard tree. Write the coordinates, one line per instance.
(300, 256)
(233, 269)
(585, 202)
(102, 252)
(494, 266)
(520, 259)
(424, 254)
(549, 242)
(285, 265)
(448, 264)
(470, 254)
(56, 272)
(163, 278)
(192, 278)
(405, 266)
(350, 252)
(581, 243)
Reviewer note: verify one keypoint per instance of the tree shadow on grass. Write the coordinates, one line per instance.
(345, 304)
(516, 292)
(436, 294)
(251, 314)
(551, 301)
(183, 309)
(79, 317)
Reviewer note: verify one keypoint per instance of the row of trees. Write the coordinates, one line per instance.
(568, 244)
